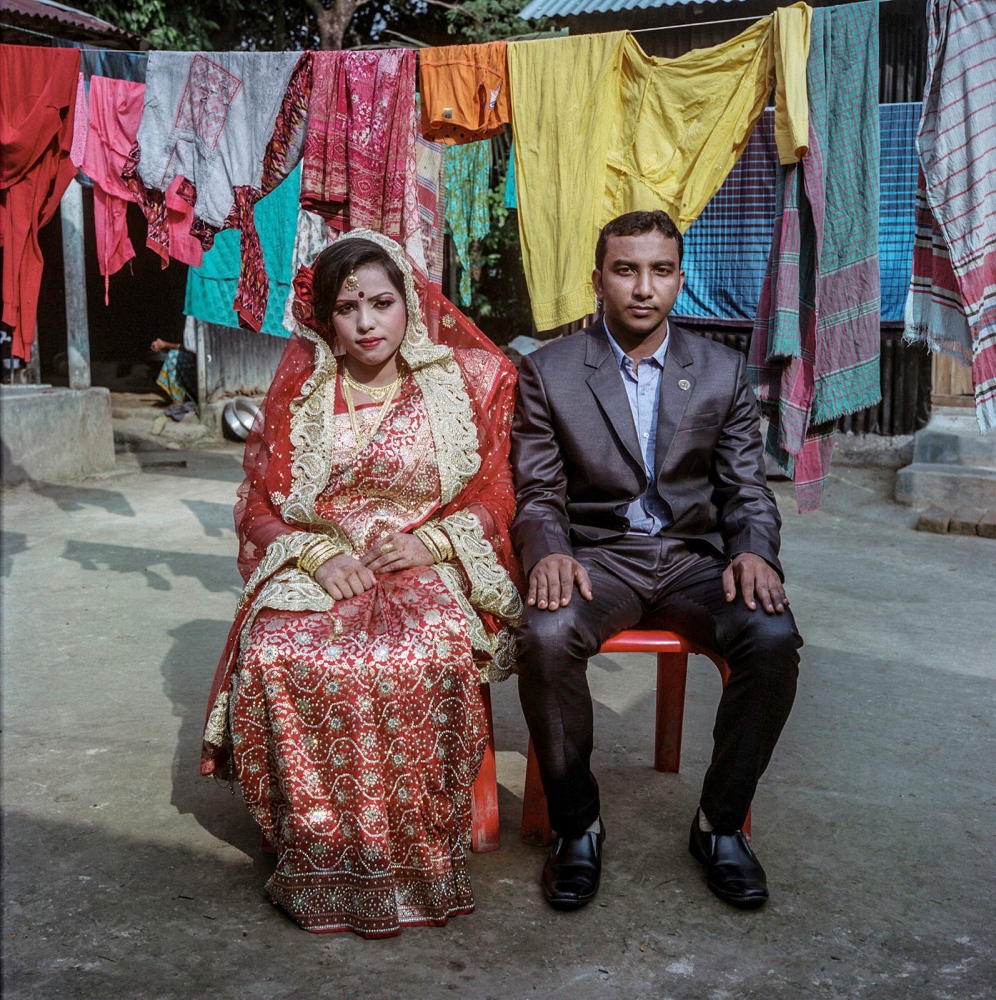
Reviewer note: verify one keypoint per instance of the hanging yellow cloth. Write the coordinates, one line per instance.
(601, 128)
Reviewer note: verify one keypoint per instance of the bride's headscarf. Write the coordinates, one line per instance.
(467, 382)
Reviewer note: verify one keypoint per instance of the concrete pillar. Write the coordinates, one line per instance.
(77, 326)
(202, 363)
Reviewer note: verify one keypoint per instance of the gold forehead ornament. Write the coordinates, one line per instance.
(352, 282)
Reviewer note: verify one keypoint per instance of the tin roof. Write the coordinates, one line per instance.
(56, 18)
(568, 8)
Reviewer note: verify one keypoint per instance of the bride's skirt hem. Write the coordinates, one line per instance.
(371, 934)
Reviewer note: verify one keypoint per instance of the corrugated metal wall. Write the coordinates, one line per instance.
(238, 363)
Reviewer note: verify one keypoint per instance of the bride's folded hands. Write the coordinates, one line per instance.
(344, 576)
(398, 551)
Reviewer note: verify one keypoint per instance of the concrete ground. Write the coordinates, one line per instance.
(125, 875)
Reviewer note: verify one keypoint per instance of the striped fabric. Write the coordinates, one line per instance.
(814, 353)
(726, 248)
(431, 203)
(952, 298)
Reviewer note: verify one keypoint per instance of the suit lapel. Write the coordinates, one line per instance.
(607, 385)
(673, 398)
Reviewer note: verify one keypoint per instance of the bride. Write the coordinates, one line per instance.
(373, 527)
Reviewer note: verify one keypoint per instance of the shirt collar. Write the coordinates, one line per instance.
(625, 361)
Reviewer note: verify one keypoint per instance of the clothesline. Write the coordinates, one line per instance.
(706, 24)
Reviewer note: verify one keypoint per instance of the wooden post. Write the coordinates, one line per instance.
(77, 327)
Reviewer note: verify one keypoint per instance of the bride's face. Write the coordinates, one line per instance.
(370, 319)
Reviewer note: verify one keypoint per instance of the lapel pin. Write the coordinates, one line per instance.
(684, 384)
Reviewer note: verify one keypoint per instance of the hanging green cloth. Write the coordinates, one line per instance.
(211, 287)
(468, 174)
(511, 198)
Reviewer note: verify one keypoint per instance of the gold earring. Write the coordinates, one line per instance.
(352, 282)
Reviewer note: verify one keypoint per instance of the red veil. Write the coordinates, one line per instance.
(489, 379)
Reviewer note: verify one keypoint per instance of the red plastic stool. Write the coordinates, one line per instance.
(672, 667)
(484, 794)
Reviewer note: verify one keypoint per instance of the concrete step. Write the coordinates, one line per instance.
(138, 434)
(949, 486)
(953, 438)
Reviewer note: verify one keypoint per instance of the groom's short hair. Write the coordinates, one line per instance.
(634, 224)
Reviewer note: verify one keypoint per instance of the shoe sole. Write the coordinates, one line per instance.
(741, 902)
(567, 904)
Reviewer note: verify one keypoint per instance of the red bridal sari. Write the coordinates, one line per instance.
(355, 728)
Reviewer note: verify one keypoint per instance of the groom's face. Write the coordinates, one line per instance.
(639, 281)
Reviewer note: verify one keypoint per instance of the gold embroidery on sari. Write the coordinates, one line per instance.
(216, 730)
(496, 659)
(491, 588)
(282, 550)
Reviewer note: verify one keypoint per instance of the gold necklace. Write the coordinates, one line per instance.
(361, 440)
(378, 393)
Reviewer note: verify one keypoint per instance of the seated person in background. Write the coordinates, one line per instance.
(373, 524)
(640, 481)
(177, 377)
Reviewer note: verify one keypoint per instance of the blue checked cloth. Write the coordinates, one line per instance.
(726, 248)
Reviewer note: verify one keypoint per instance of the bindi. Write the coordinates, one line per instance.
(359, 295)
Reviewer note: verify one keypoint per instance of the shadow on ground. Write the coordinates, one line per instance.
(216, 573)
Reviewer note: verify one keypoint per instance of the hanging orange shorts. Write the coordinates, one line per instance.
(464, 92)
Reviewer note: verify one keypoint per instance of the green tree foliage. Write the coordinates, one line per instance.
(166, 24)
(489, 20)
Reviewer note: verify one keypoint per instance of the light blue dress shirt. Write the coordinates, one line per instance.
(648, 514)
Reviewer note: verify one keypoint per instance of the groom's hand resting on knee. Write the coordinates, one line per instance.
(552, 579)
(754, 576)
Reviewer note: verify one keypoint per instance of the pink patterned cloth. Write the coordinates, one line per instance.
(78, 150)
(359, 152)
(115, 112)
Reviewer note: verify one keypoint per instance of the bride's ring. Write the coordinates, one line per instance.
(387, 547)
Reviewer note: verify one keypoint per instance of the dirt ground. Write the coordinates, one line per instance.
(126, 875)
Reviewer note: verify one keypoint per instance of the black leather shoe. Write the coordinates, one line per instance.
(573, 869)
(733, 872)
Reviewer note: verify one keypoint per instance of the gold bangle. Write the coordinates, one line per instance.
(436, 541)
(315, 553)
(305, 549)
(443, 543)
(422, 534)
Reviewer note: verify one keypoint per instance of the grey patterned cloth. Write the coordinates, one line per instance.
(209, 117)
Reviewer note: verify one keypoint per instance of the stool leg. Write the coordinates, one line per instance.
(484, 794)
(535, 818)
(672, 670)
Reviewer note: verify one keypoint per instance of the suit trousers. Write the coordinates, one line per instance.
(664, 583)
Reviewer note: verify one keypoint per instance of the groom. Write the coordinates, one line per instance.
(642, 500)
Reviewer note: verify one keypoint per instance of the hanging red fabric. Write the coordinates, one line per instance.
(37, 117)
(115, 111)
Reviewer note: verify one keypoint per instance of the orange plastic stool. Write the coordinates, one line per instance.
(484, 794)
(672, 667)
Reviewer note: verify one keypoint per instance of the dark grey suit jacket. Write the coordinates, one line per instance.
(576, 457)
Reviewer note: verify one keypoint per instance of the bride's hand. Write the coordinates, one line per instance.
(399, 551)
(344, 576)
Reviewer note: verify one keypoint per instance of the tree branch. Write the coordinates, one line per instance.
(459, 8)
(317, 8)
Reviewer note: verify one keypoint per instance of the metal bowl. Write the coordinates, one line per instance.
(238, 417)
